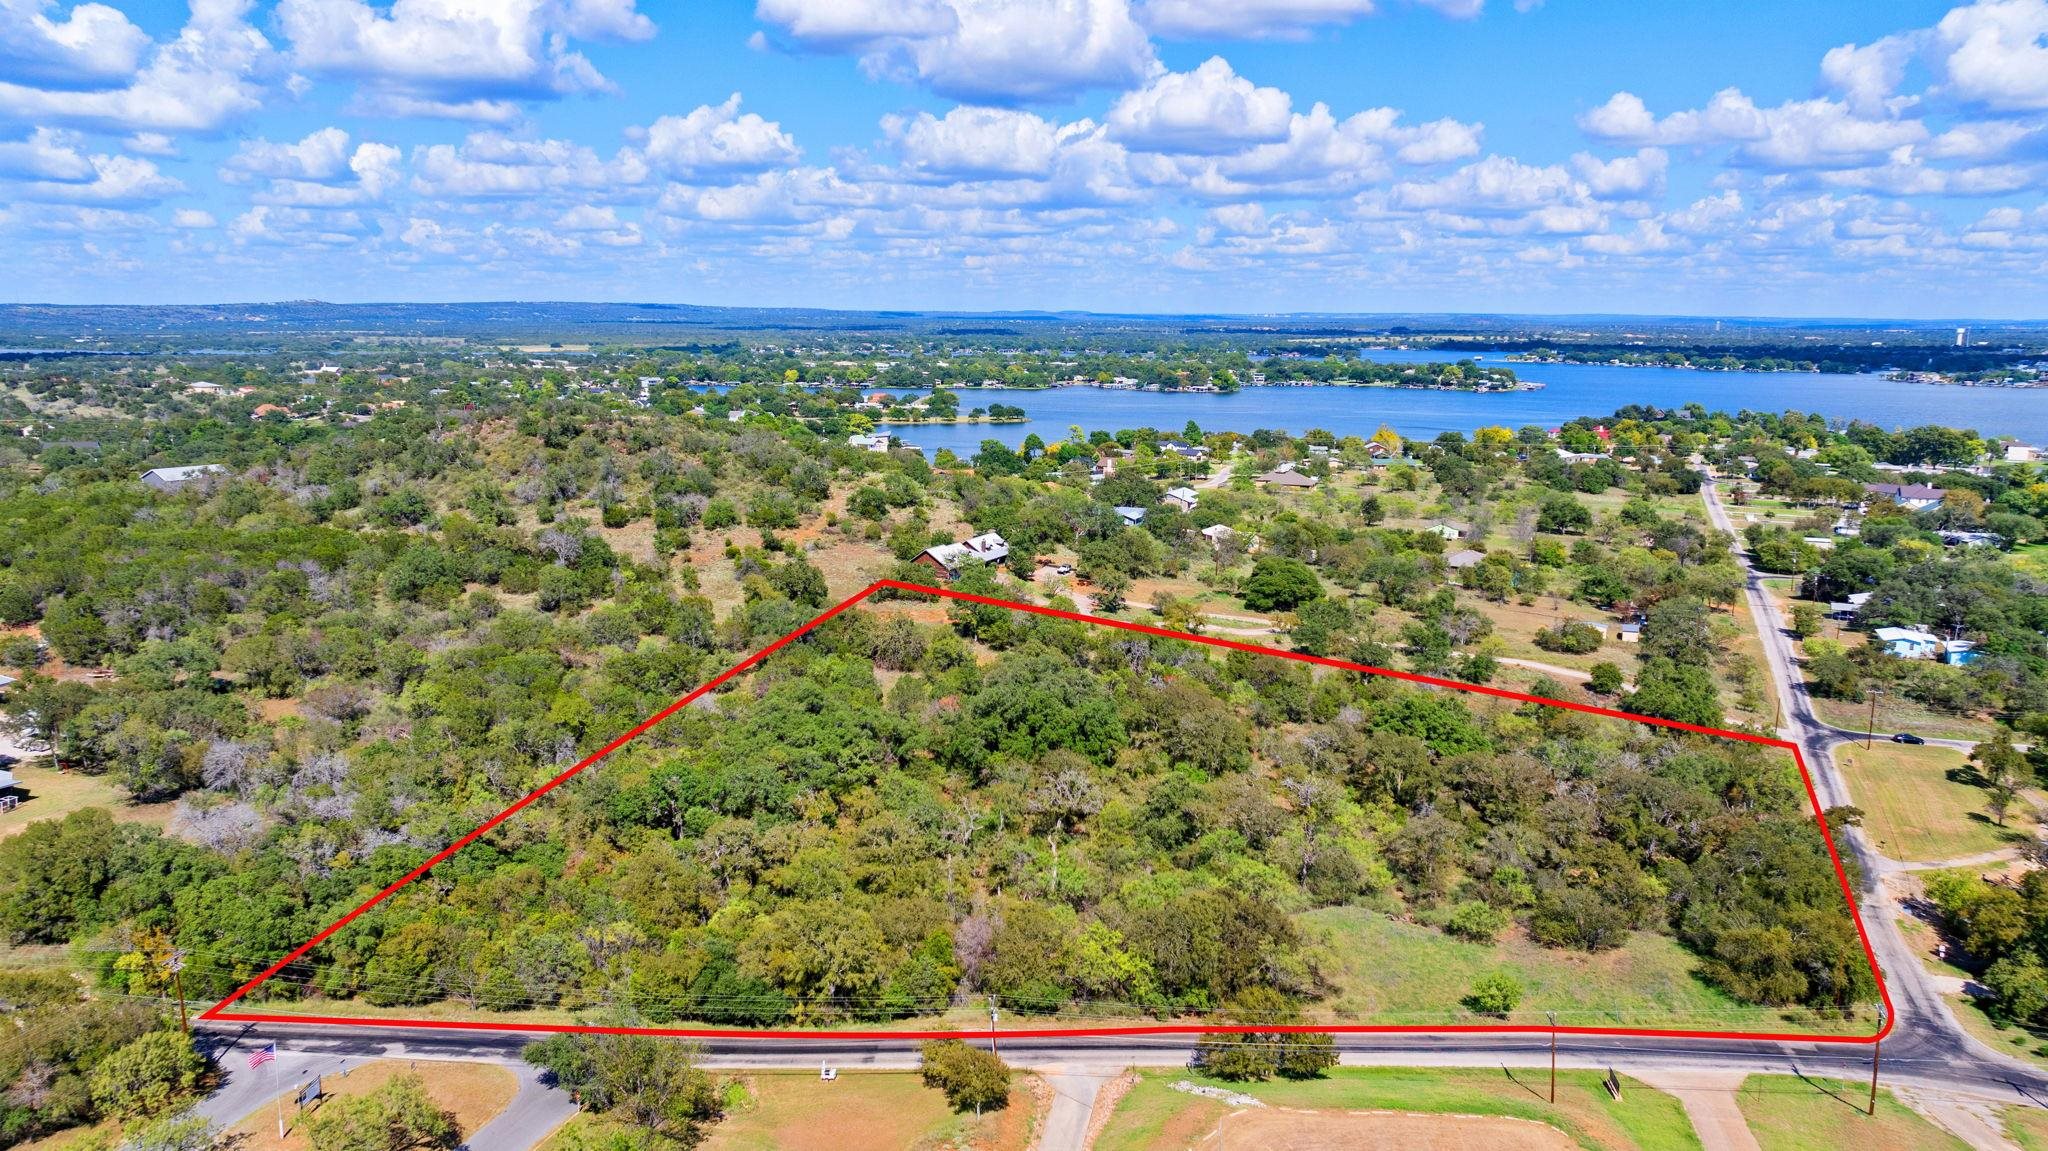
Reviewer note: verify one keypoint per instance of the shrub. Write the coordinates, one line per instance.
(1497, 993)
(1476, 921)
(1573, 638)
(969, 1076)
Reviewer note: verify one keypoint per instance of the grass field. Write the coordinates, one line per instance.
(860, 1111)
(1399, 973)
(50, 794)
(475, 1092)
(1786, 1113)
(1914, 810)
(1154, 1117)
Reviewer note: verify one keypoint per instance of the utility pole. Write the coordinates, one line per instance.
(1553, 1055)
(992, 1026)
(175, 964)
(1874, 1056)
(1872, 733)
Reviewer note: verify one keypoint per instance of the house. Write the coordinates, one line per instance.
(1377, 451)
(1632, 632)
(1184, 451)
(1464, 558)
(1183, 499)
(1130, 515)
(948, 559)
(735, 416)
(1972, 539)
(1217, 533)
(1907, 643)
(173, 479)
(205, 388)
(1913, 497)
(1285, 476)
(873, 442)
(1449, 530)
(1960, 652)
(2021, 453)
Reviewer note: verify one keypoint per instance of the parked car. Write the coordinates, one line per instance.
(1907, 737)
(1064, 569)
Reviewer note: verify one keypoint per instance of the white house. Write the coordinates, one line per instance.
(1183, 498)
(1130, 515)
(1907, 643)
(2021, 453)
(172, 479)
(873, 442)
(948, 559)
(1217, 533)
(1913, 497)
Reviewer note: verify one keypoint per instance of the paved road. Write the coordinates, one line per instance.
(1925, 1025)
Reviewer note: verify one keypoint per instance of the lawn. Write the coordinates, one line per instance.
(1916, 805)
(1154, 1117)
(1391, 972)
(475, 1092)
(859, 1111)
(51, 794)
(1788, 1113)
(2027, 1126)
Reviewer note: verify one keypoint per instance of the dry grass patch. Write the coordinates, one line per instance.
(475, 1092)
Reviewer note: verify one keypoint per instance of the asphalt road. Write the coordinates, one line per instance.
(1926, 1029)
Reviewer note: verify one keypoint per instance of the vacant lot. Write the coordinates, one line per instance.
(1387, 971)
(475, 1092)
(1895, 713)
(860, 1111)
(1918, 804)
(1155, 1117)
(1294, 1130)
(1794, 1114)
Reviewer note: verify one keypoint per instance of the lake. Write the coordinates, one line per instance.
(1569, 390)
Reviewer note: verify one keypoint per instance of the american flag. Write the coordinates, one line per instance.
(263, 1054)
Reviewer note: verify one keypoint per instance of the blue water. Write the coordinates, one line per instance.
(1569, 390)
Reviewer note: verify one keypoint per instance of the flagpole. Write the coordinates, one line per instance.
(273, 1087)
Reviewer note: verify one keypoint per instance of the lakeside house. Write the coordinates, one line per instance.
(1907, 642)
(872, 442)
(1913, 497)
(1183, 499)
(948, 559)
(173, 479)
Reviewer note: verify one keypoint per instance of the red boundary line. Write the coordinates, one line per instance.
(219, 1010)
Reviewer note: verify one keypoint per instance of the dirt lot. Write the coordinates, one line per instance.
(1385, 1131)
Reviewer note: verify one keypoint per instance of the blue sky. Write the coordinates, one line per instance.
(1740, 157)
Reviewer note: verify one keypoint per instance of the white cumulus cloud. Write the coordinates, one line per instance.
(1209, 110)
(718, 139)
